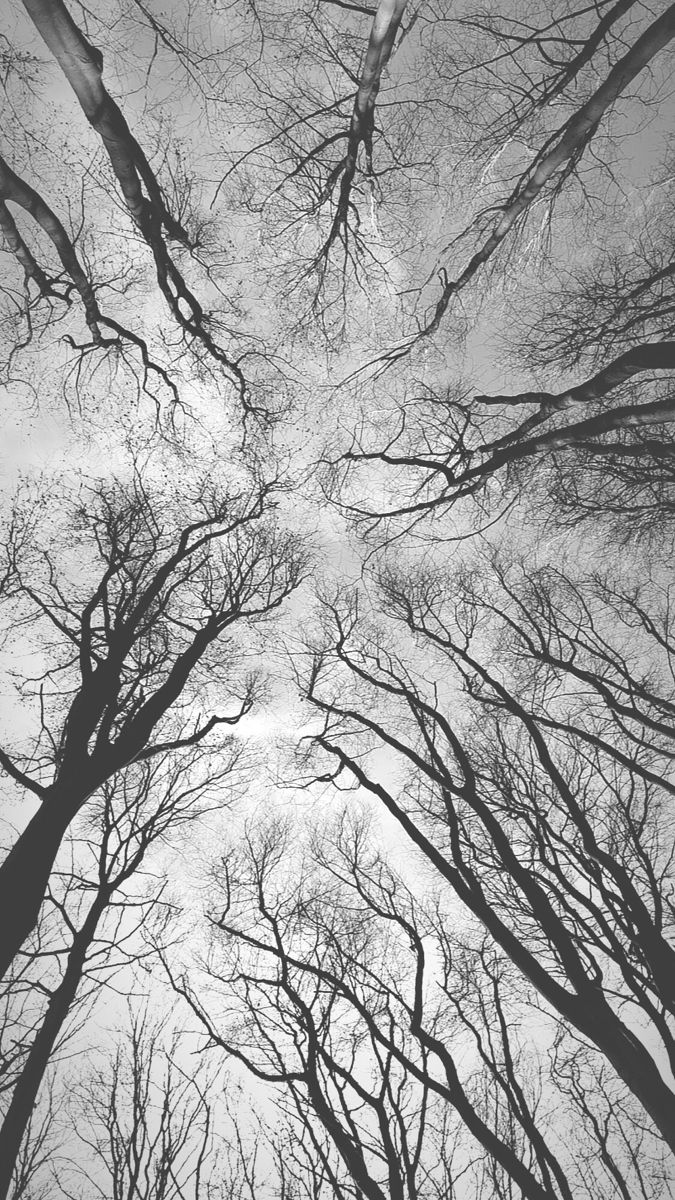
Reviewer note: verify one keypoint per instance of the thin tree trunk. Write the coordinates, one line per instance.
(26, 1090)
(587, 1011)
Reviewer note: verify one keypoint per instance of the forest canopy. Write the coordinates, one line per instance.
(336, 598)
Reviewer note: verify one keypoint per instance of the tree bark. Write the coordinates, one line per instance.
(649, 356)
(383, 32)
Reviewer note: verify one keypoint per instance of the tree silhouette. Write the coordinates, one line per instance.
(163, 592)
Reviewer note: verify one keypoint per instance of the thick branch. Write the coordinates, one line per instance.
(380, 45)
(573, 138)
(649, 356)
(547, 167)
(82, 64)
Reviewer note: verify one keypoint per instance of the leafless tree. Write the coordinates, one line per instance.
(491, 449)
(560, 151)
(52, 290)
(82, 65)
(290, 184)
(342, 115)
(39, 1152)
(533, 57)
(103, 900)
(541, 797)
(154, 1120)
(168, 577)
(391, 1034)
(592, 317)
(147, 1123)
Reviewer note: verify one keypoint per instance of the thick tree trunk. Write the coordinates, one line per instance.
(386, 23)
(385, 26)
(17, 247)
(82, 65)
(24, 874)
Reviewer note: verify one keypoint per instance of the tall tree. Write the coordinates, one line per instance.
(539, 803)
(168, 579)
(104, 900)
(82, 65)
(231, 211)
(391, 1028)
(149, 1123)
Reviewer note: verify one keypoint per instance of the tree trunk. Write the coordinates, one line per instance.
(24, 875)
(26, 1091)
(82, 65)
(575, 135)
(588, 1010)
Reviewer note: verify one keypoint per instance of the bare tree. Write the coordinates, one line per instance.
(154, 1120)
(82, 65)
(385, 26)
(339, 110)
(168, 579)
(40, 1150)
(550, 167)
(606, 314)
(364, 1006)
(513, 719)
(451, 448)
(105, 898)
(148, 1123)
(622, 295)
(535, 62)
(53, 291)
(544, 810)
